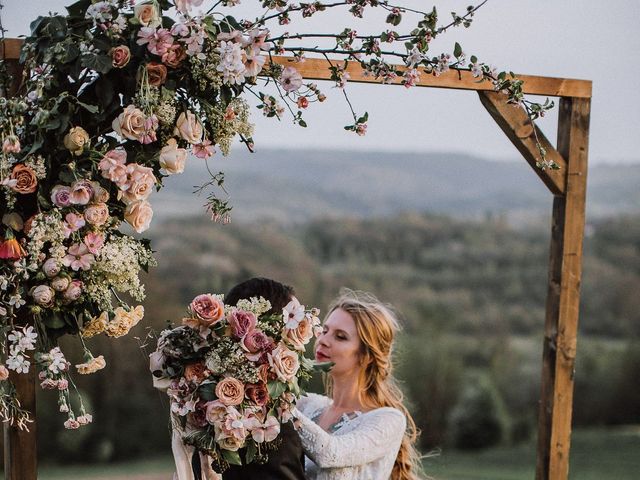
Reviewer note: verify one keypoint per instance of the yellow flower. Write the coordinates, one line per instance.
(92, 365)
(96, 326)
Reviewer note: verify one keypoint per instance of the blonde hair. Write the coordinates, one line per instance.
(377, 325)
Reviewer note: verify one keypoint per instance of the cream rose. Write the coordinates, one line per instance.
(130, 123)
(43, 295)
(140, 183)
(97, 214)
(139, 214)
(172, 158)
(301, 335)
(100, 195)
(76, 140)
(230, 391)
(189, 128)
(231, 443)
(284, 362)
(147, 14)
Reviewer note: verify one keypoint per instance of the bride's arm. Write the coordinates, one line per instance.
(378, 434)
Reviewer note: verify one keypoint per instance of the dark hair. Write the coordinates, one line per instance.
(277, 293)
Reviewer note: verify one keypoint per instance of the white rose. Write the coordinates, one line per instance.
(139, 214)
(172, 158)
(43, 295)
(51, 267)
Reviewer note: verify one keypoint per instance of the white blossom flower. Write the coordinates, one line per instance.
(293, 313)
(231, 64)
(18, 363)
(23, 340)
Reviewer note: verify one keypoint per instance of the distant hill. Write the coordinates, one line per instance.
(295, 186)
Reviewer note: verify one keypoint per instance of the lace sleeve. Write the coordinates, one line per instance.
(378, 434)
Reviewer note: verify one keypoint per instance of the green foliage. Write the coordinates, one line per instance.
(479, 419)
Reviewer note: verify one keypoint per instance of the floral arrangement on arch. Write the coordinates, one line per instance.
(233, 374)
(117, 95)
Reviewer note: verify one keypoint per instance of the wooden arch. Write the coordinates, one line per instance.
(568, 187)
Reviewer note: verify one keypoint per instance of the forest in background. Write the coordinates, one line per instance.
(470, 294)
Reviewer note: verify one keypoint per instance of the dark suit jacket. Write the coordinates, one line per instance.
(285, 463)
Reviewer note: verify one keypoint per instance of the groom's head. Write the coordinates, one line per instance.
(277, 293)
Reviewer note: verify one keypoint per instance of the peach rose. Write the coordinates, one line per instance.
(140, 183)
(208, 308)
(257, 393)
(81, 192)
(131, 123)
(301, 335)
(147, 14)
(26, 181)
(230, 391)
(189, 128)
(195, 372)
(4, 373)
(100, 195)
(139, 214)
(120, 56)
(96, 214)
(174, 55)
(76, 140)
(172, 158)
(284, 362)
(157, 73)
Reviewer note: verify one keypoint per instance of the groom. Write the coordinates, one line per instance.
(287, 461)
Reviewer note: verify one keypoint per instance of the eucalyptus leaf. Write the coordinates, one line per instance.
(457, 50)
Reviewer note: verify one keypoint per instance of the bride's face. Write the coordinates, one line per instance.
(339, 343)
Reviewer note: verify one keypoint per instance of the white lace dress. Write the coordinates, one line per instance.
(361, 447)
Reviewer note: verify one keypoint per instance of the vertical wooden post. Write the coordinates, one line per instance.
(563, 297)
(20, 451)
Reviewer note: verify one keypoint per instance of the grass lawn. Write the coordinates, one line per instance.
(596, 454)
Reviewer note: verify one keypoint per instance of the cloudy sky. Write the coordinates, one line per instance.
(586, 39)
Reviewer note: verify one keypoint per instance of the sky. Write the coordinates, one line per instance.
(587, 39)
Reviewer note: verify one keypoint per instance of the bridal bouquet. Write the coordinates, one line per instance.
(233, 374)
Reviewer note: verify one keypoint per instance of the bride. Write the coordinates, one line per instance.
(361, 430)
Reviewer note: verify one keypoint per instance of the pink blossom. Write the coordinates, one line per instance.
(71, 424)
(11, 144)
(257, 39)
(150, 127)
(361, 129)
(78, 257)
(158, 41)
(233, 36)
(48, 384)
(81, 192)
(63, 384)
(411, 77)
(253, 63)
(85, 419)
(204, 149)
(233, 424)
(94, 242)
(72, 223)
(179, 30)
(291, 80)
(185, 5)
(264, 432)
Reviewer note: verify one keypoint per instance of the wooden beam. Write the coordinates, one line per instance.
(563, 301)
(318, 69)
(20, 453)
(515, 123)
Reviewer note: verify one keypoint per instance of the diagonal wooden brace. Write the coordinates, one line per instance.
(515, 123)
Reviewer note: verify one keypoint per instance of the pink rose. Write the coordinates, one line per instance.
(96, 214)
(81, 192)
(138, 214)
(216, 411)
(63, 384)
(120, 56)
(60, 284)
(174, 55)
(73, 291)
(43, 295)
(256, 341)
(71, 424)
(140, 183)
(130, 123)
(172, 158)
(61, 196)
(113, 166)
(284, 362)
(230, 391)
(208, 308)
(189, 128)
(51, 267)
(241, 322)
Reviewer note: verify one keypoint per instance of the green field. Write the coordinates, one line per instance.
(596, 454)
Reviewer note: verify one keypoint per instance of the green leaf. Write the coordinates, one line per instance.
(457, 50)
(89, 108)
(207, 392)
(276, 388)
(473, 59)
(302, 123)
(251, 451)
(99, 63)
(55, 320)
(79, 8)
(232, 457)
